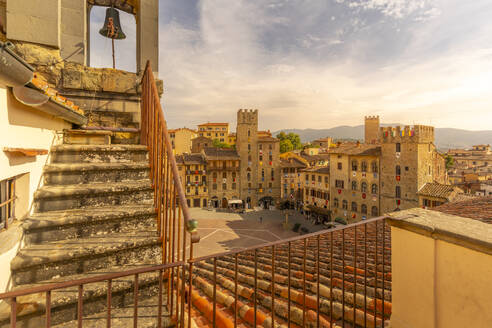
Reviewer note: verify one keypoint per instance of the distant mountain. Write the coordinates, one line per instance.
(445, 137)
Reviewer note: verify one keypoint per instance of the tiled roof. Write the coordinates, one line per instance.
(267, 139)
(292, 162)
(341, 286)
(319, 169)
(204, 124)
(220, 153)
(43, 86)
(191, 159)
(435, 189)
(359, 149)
(478, 208)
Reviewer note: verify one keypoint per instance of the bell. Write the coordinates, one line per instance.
(112, 26)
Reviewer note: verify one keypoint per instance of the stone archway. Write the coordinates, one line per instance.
(224, 203)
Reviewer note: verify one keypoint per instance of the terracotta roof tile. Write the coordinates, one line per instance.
(477, 208)
(356, 149)
(435, 189)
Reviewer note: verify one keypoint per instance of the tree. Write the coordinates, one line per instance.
(218, 144)
(449, 161)
(289, 141)
(285, 146)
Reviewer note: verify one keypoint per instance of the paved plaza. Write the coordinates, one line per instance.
(220, 232)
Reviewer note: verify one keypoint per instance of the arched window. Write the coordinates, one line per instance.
(354, 185)
(354, 165)
(374, 211)
(249, 133)
(398, 170)
(344, 204)
(398, 192)
(249, 176)
(363, 187)
(335, 202)
(354, 207)
(214, 175)
(363, 209)
(374, 167)
(374, 188)
(363, 166)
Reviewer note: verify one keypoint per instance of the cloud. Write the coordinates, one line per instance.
(319, 64)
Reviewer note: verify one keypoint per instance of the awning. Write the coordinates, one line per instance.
(235, 201)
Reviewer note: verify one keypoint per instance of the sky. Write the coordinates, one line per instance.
(319, 63)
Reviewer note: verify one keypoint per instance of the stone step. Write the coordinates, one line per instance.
(99, 153)
(130, 138)
(77, 173)
(62, 258)
(83, 223)
(87, 137)
(31, 308)
(56, 198)
(110, 118)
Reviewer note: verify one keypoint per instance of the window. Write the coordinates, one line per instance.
(354, 165)
(313, 177)
(270, 158)
(363, 166)
(249, 133)
(363, 187)
(260, 146)
(214, 186)
(339, 183)
(398, 192)
(307, 177)
(272, 174)
(307, 192)
(345, 204)
(339, 165)
(224, 175)
(261, 158)
(224, 165)
(319, 178)
(363, 209)
(335, 202)
(354, 185)
(374, 188)
(262, 173)
(249, 146)
(398, 147)
(224, 186)
(260, 185)
(270, 147)
(233, 175)
(234, 186)
(398, 170)
(354, 207)
(249, 176)
(326, 179)
(374, 211)
(214, 175)
(269, 185)
(374, 167)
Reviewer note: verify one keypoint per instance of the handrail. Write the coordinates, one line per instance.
(168, 189)
(84, 281)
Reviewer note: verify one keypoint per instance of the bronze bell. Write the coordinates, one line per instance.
(112, 26)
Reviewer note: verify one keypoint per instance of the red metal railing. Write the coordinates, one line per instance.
(173, 218)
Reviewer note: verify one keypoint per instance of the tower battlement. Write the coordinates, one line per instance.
(409, 134)
(372, 118)
(248, 116)
(371, 129)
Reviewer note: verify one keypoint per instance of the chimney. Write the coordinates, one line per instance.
(358, 143)
(339, 143)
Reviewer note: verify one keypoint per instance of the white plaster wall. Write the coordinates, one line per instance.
(22, 127)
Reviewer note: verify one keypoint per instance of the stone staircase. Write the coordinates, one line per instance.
(93, 215)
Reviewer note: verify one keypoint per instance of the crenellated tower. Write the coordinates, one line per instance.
(246, 145)
(407, 160)
(371, 129)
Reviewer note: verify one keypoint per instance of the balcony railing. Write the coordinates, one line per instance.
(332, 278)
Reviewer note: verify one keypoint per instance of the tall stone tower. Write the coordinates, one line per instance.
(246, 145)
(406, 165)
(371, 129)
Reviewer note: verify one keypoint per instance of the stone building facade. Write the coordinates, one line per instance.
(260, 161)
(291, 181)
(407, 160)
(223, 176)
(219, 131)
(354, 181)
(193, 173)
(200, 143)
(316, 187)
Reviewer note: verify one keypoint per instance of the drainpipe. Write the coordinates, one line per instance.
(14, 71)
